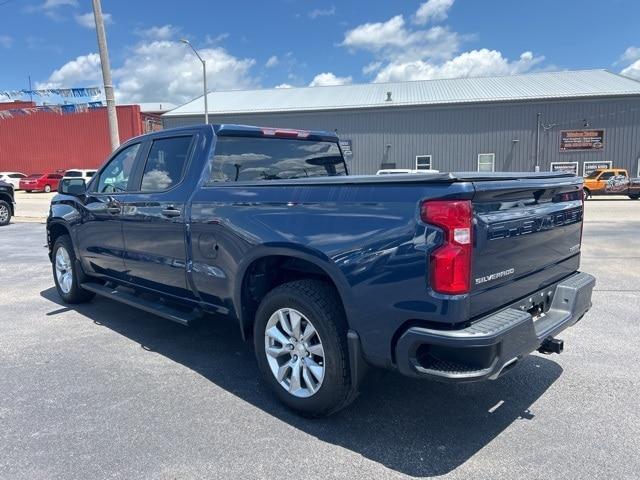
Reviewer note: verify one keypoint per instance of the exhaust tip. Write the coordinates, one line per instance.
(551, 345)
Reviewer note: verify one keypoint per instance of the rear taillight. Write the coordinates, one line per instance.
(451, 262)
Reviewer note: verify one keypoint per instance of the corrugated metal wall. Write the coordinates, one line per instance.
(47, 142)
(455, 135)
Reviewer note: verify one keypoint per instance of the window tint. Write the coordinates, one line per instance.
(115, 176)
(73, 173)
(622, 174)
(606, 175)
(247, 159)
(17, 175)
(90, 173)
(54, 176)
(165, 164)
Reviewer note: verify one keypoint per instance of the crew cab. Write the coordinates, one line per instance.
(611, 181)
(7, 203)
(449, 276)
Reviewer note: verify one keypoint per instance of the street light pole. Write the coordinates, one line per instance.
(204, 78)
(114, 136)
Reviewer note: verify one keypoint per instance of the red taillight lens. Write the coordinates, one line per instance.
(451, 262)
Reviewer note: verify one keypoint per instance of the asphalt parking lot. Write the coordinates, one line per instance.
(106, 391)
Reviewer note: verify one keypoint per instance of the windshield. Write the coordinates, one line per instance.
(594, 174)
(73, 173)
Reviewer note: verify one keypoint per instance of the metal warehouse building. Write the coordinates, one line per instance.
(571, 120)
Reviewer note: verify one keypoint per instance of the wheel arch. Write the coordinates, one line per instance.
(267, 269)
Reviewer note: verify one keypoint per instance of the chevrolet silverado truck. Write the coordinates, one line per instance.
(611, 181)
(453, 277)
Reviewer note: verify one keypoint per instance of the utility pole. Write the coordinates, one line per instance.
(114, 136)
(204, 78)
(537, 167)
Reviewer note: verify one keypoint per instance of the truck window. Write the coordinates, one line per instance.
(606, 175)
(166, 163)
(115, 176)
(622, 173)
(238, 159)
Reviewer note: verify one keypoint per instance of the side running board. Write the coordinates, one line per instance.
(164, 311)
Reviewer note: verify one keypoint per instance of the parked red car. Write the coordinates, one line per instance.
(40, 182)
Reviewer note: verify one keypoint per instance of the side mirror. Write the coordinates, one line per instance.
(72, 186)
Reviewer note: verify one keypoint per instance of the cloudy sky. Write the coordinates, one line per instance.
(285, 43)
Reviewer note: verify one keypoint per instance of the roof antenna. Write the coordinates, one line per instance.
(388, 96)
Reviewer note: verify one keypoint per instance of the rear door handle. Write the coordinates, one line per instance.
(171, 212)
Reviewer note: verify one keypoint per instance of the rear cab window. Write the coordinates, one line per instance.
(248, 159)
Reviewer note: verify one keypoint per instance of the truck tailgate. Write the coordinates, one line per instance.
(527, 235)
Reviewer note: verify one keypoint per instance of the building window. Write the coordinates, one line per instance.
(423, 162)
(486, 162)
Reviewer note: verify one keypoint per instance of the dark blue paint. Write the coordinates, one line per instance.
(364, 232)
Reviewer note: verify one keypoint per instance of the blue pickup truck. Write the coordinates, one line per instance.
(454, 277)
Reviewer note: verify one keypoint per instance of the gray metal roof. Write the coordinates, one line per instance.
(533, 86)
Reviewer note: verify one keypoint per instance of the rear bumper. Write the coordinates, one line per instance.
(495, 343)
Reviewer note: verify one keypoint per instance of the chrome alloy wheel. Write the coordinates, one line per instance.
(4, 213)
(294, 352)
(64, 272)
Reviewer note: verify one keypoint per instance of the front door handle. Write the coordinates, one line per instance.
(113, 210)
(171, 212)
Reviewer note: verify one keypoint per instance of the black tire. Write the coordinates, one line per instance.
(76, 294)
(28, 191)
(5, 213)
(635, 196)
(587, 193)
(319, 302)
(47, 188)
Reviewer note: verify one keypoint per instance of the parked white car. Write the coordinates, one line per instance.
(396, 171)
(13, 178)
(79, 173)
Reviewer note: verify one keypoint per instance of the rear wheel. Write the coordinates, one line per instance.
(66, 272)
(635, 196)
(5, 213)
(47, 188)
(300, 339)
(28, 191)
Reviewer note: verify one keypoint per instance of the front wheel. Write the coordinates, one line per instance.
(586, 193)
(66, 272)
(47, 188)
(300, 339)
(634, 196)
(5, 213)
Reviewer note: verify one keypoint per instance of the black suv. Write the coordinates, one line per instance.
(7, 203)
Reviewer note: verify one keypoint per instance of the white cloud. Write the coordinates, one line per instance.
(432, 10)
(408, 52)
(328, 78)
(6, 41)
(632, 70)
(284, 85)
(168, 70)
(217, 39)
(272, 62)
(631, 54)
(371, 67)
(164, 32)
(322, 12)
(84, 70)
(87, 21)
(475, 63)
(392, 40)
(57, 3)
(159, 70)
